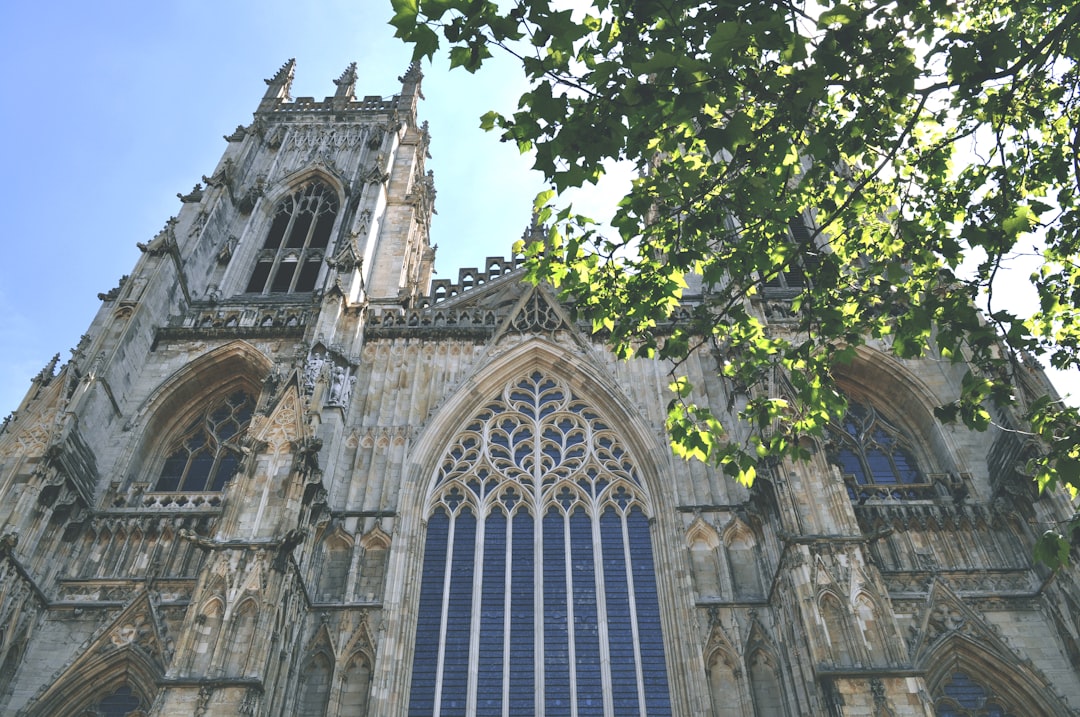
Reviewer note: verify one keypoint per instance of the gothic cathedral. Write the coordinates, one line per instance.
(287, 473)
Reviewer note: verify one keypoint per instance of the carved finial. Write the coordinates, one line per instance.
(410, 93)
(346, 84)
(412, 75)
(284, 76)
(47, 374)
(277, 87)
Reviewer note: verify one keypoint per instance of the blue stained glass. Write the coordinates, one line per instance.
(654, 671)
(492, 617)
(620, 632)
(459, 616)
(880, 467)
(499, 654)
(556, 648)
(426, 656)
(850, 464)
(522, 607)
(586, 634)
(121, 702)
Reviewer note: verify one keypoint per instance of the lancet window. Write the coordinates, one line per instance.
(875, 457)
(296, 243)
(538, 593)
(207, 454)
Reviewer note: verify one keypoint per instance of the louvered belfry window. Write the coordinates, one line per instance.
(295, 246)
(538, 593)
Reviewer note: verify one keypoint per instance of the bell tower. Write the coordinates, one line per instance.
(176, 462)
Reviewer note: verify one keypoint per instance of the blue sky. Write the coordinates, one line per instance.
(111, 108)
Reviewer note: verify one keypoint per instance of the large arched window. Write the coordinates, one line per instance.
(206, 455)
(295, 246)
(875, 457)
(538, 593)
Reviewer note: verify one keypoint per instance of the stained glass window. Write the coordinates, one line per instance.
(963, 697)
(120, 703)
(206, 456)
(538, 593)
(875, 457)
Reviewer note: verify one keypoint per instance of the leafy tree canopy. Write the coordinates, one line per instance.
(925, 142)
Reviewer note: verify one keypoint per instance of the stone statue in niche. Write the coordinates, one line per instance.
(312, 371)
(341, 385)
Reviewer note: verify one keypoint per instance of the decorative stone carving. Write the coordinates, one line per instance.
(227, 250)
(114, 292)
(313, 371)
(341, 386)
(192, 197)
(307, 457)
(247, 201)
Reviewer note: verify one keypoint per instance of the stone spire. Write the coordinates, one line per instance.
(277, 87)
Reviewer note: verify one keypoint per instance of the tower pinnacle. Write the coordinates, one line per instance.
(277, 87)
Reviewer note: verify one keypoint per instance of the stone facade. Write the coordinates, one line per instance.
(286, 473)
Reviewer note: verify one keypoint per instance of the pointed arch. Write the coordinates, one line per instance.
(294, 235)
(881, 383)
(239, 657)
(741, 542)
(594, 385)
(304, 175)
(537, 492)
(764, 670)
(1011, 683)
(725, 677)
(869, 616)
(336, 551)
(315, 679)
(376, 545)
(355, 685)
(591, 382)
(836, 623)
(96, 675)
(188, 394)
(208, 622)
(764, 673)
(704, 544)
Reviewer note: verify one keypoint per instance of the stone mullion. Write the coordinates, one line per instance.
(477, 603)
(571, 638)
(447, 574)
(601, 611)
(632, 596)
(534, 497)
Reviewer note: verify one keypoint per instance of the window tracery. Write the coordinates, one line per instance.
(296, 244)
(538, 593)
(964, 697)
(875, 457)
(122, 702)
(206, 455)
